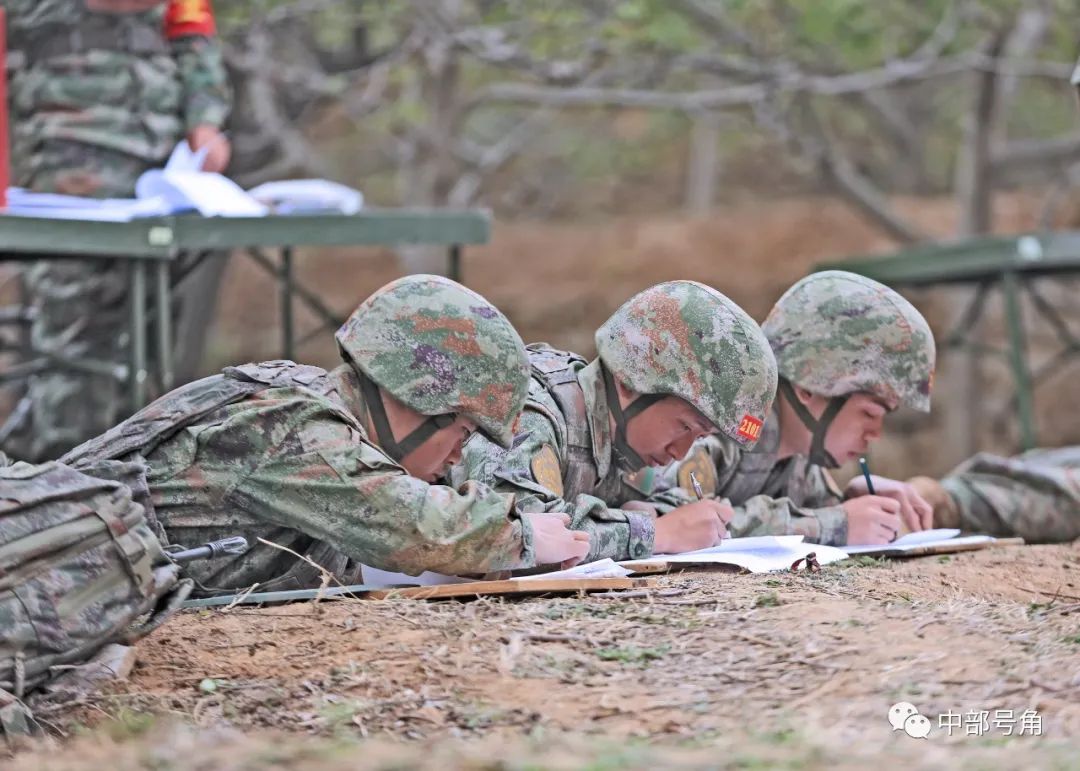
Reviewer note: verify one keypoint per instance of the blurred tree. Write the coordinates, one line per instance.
(519, 105)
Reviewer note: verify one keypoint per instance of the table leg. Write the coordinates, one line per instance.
(286, 302)
(137, 304)
(453, 267)
(163, 303)
(1010, 284)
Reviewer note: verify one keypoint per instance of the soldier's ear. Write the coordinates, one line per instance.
(804, 396)
(627, 393)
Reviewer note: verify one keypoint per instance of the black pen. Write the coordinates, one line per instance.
(866, 475)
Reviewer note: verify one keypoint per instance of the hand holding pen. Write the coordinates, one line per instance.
(696, 525)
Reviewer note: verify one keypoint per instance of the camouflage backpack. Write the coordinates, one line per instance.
(79, 569)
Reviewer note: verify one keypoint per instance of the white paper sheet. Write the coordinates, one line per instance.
(605, 568)
(375, 577)
(295, 196)
(761, 554)
(920, 539)
(212, 195)
(24, 203)
(183, 158)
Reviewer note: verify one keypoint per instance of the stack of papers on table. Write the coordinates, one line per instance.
(23, 203)
(940, 538)
(182, 187)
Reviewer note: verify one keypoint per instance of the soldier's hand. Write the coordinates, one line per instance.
(915, 512)
(697, 525)
(554, 543)
(872, 519)
(218, 149)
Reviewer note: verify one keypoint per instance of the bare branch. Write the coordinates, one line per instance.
(710, 18)
(733, 96)
(1027, 155)
(944, 34)
(812, 144)
(492, 45)
(889, 74)
(276, 132)
(973, 169)
(1022, 42)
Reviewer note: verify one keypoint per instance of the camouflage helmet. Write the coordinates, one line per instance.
(440, 348)
(836, 333)
(685, 339)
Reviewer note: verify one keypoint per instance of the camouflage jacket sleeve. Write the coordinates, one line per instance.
(207, 97)
(614, 533)
(769, 497)
(326, 480)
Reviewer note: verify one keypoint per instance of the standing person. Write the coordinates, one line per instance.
(101, 91)
(675, 362)
(849, 351)
(342, 468)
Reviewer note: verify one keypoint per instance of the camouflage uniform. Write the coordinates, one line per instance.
(678, 338)
(834, 334)
(770, 495)
(279, 451)
(99, 94)
(1035, 495)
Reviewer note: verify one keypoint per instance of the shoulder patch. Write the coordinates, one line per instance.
(831, 484)
(545, 469)
(750, 428)
(184, 18)
(641, 480)
(700, 464)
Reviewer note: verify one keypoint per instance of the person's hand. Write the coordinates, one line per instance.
(697, 525)
(554, 543)
(915, 513)
(872, 519)
(218, 148)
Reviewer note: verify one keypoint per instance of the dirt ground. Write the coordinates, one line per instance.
(708, 669)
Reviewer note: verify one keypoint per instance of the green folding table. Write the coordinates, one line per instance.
(150, 246)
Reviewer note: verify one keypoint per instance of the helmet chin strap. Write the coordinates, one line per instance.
(626, 454)
(377, 412)
(818, 427)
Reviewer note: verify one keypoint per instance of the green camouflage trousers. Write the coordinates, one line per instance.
(1035, 495)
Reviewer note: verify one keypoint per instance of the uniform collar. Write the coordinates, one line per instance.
(592, 388)
(769, 442)
(345, 389)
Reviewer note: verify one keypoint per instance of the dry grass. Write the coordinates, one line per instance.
(789, 668)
